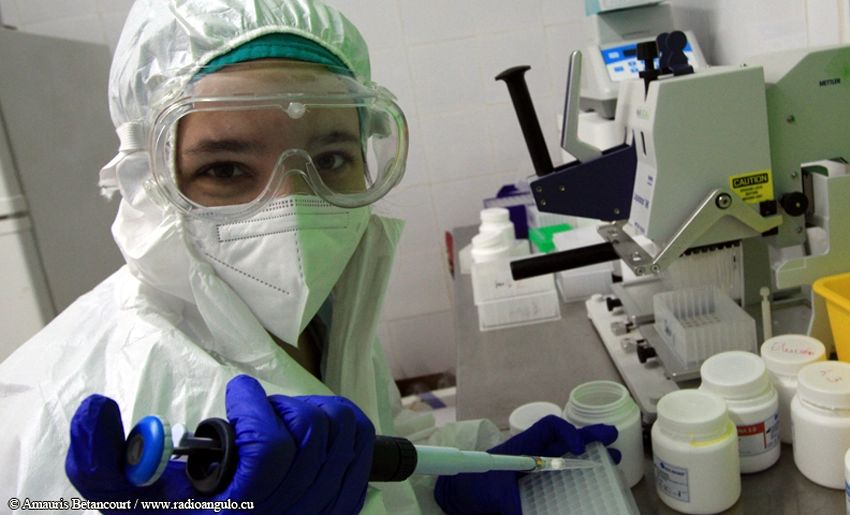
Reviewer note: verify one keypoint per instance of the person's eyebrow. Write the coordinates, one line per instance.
(214, 146)
(338, 136)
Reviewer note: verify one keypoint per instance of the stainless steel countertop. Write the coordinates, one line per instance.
(500, 370)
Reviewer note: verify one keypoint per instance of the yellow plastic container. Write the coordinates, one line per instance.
(836, 290)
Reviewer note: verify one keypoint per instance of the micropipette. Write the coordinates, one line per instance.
(395, 459)
(152, 442)
(445, 461)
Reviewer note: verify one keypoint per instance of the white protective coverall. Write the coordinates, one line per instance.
(164, 334)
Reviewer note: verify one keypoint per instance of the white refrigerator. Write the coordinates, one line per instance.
(55, 134)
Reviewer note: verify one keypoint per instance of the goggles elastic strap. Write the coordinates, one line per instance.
(132, 137)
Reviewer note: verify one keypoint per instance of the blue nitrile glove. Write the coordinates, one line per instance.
(296, 455)
(497, 492)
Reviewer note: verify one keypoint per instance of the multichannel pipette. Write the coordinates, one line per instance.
(152, 442)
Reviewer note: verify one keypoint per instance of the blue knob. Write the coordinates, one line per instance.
(147, 450)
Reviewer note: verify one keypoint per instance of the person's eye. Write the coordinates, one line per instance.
(331, 161)
(221, 171)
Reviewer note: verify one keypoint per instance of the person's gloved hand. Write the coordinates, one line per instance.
(296, 454)
(497, 492)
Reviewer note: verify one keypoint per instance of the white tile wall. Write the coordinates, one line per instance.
(435, 20)
(497, 52)
(561, 40)
(457, 145)
(440, 58)
(445, 76)
(824, 26)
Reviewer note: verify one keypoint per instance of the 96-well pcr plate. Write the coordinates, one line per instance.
(588, 491)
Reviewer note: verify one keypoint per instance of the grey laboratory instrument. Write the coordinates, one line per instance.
(739, 181)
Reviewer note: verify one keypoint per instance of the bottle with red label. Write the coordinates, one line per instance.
(741, 378)
(784, 356)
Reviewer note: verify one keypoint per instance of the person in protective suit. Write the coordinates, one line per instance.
(253, 143)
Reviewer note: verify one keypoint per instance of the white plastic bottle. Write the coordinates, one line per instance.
(501, 300)
(741, 379)
(784, 356)
(496, 238)
(820, 415)
(607, 402)
(498, 220)
(526, 415)
(695, 450)
(489, 267)
(489, 246)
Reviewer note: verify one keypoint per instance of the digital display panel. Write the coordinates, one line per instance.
(622, 62)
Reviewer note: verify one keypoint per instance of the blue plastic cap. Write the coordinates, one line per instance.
(147, 451)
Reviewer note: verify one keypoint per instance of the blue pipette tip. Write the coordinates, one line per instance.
(147, 450)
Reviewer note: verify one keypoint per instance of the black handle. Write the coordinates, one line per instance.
(647, 52)
(393, 459)
(518, 89)
(211, 468)
(564, 260)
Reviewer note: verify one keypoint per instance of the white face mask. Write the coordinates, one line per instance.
(283, 261)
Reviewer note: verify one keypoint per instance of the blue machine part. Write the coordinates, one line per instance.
(148, 450)
(600, 189)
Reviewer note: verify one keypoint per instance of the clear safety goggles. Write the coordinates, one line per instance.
(239, 137)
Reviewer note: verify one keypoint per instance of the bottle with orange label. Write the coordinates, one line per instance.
(742, 380)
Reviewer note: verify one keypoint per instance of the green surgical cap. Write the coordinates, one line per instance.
(277, 46)
(165, 43)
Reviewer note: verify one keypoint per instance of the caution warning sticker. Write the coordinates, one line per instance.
(753, 187)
